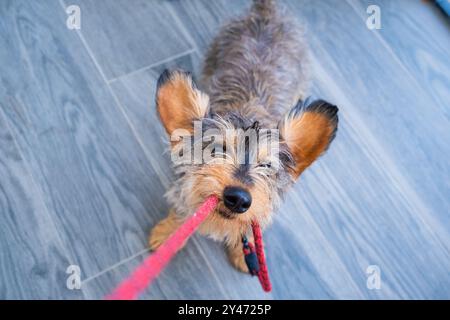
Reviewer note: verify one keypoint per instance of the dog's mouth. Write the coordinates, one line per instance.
(225, 213)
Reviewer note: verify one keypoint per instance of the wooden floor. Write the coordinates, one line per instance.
(83, 169)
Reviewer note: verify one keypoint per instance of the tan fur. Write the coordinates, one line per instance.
(212, 179)
(307, 136)
(179, 103)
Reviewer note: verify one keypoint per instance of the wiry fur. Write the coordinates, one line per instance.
(195, 182)
(258, 65)
(256, 75)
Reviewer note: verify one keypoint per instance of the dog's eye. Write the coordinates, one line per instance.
(265, 165)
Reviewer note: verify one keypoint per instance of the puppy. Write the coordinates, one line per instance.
(249, 134)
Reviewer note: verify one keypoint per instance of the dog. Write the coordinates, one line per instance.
(255, 77)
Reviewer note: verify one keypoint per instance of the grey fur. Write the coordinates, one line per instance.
(258, 65)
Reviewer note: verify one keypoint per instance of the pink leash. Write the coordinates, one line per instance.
(255, 258)
(263, 274)
(143, 276)
(152, 266)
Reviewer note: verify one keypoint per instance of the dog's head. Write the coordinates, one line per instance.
(247, 167)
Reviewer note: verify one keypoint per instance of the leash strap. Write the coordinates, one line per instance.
(255, 258)
(144, 274)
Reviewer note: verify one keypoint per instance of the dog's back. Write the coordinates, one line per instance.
(257, 65)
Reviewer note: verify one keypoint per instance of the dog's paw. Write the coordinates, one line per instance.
(163, 230)
(237, 259)
(157, 236)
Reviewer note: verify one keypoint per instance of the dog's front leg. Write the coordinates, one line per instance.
(164, 229)
(236, 256)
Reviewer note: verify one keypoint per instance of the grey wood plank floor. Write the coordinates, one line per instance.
(83, 161)
(32, 255)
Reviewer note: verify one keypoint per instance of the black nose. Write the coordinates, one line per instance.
(237, 199)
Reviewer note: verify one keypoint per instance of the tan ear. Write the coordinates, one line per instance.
(178, 101)
(308, 131)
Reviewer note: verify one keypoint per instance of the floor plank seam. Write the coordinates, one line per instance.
(114, 266)
(153, 65)
(182, 27)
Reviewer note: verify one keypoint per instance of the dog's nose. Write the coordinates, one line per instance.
(237, 199)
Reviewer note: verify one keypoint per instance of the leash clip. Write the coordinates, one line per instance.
(251, 259)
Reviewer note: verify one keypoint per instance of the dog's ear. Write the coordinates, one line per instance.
(178, 101)
(308, 131)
